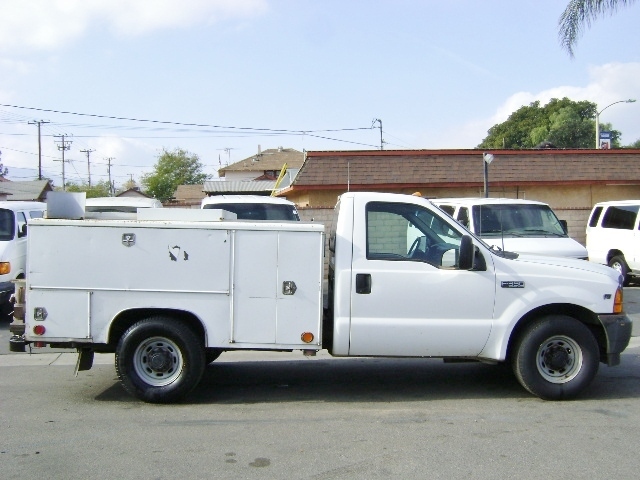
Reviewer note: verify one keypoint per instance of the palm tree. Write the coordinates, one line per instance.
(580, 13)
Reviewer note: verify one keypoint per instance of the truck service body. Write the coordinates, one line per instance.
(171, 290)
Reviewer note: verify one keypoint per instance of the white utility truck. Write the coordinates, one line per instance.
(172, 289)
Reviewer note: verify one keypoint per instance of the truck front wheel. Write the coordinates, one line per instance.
(556, 357)
(159, 360)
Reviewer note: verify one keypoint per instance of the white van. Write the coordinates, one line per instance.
(254, 207)
(13, 244)
(613, 237)
(521, 226)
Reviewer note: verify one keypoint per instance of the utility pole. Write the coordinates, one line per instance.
(381, 140)
(39, 122)
(63, 146)
(111, 189)
(88, 151)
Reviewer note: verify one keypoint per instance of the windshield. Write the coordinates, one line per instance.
(7, 225)
(258, 211)
(516, 220)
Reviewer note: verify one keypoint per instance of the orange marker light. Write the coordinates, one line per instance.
(617, 302)
(307, 337)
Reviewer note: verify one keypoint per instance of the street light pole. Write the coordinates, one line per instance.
(631, 100)
(487, 159)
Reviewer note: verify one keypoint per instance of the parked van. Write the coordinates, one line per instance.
(613, 238)
(521, 226)
(13, 244)
(254, 207)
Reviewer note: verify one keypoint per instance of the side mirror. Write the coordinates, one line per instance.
(23, 231)
(467, 253)
(564, 226)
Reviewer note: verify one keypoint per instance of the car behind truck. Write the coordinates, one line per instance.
(172, 289)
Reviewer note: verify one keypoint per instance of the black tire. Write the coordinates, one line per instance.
(6, 312)
(212, 354)
(556, 357)
(619, 263)
(160, 360)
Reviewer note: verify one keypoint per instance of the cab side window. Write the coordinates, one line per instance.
(406, 232)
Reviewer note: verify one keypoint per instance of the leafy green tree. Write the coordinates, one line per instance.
(580, 13)
(635, 144)
(101, 189)
(564, 123)
(4, 171)
(174, 168)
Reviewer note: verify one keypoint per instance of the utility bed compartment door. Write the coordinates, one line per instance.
(263, 261)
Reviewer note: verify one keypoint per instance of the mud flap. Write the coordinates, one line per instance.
(85, 360)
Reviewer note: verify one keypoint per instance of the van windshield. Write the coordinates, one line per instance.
(258, 211)
(516, 220)
(7, 225)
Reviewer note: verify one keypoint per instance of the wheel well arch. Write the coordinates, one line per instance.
(583, 315)
(127, 318)
(614, 253)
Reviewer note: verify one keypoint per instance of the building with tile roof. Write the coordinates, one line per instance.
(571, 177)
(35, 190)
(571, 181)
(264, 165)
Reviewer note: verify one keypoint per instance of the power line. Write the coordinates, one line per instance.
(164, 122)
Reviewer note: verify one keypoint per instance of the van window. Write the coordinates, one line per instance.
(448, 209)
(463, 216)
(22, 222)
(595, 216)
(334, 227)
(36, 214)
(622, 217)
(7, 225)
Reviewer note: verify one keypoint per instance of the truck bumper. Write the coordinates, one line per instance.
(617, 328)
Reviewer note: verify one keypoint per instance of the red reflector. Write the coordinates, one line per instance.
(39, 330)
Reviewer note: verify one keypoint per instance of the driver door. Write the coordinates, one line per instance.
(408, 297)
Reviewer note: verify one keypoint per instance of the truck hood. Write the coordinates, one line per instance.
(571, 263)
(546, 246)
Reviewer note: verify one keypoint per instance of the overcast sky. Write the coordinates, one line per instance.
(305, 74)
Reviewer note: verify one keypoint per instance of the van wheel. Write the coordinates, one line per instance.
(618, 263)
(159, 360)
(556, 357)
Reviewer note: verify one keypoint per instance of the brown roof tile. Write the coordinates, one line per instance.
(442, 167)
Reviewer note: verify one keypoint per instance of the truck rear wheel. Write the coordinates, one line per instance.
(556, 357)
(160, 360)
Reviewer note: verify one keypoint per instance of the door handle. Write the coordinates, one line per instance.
(363, 283)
